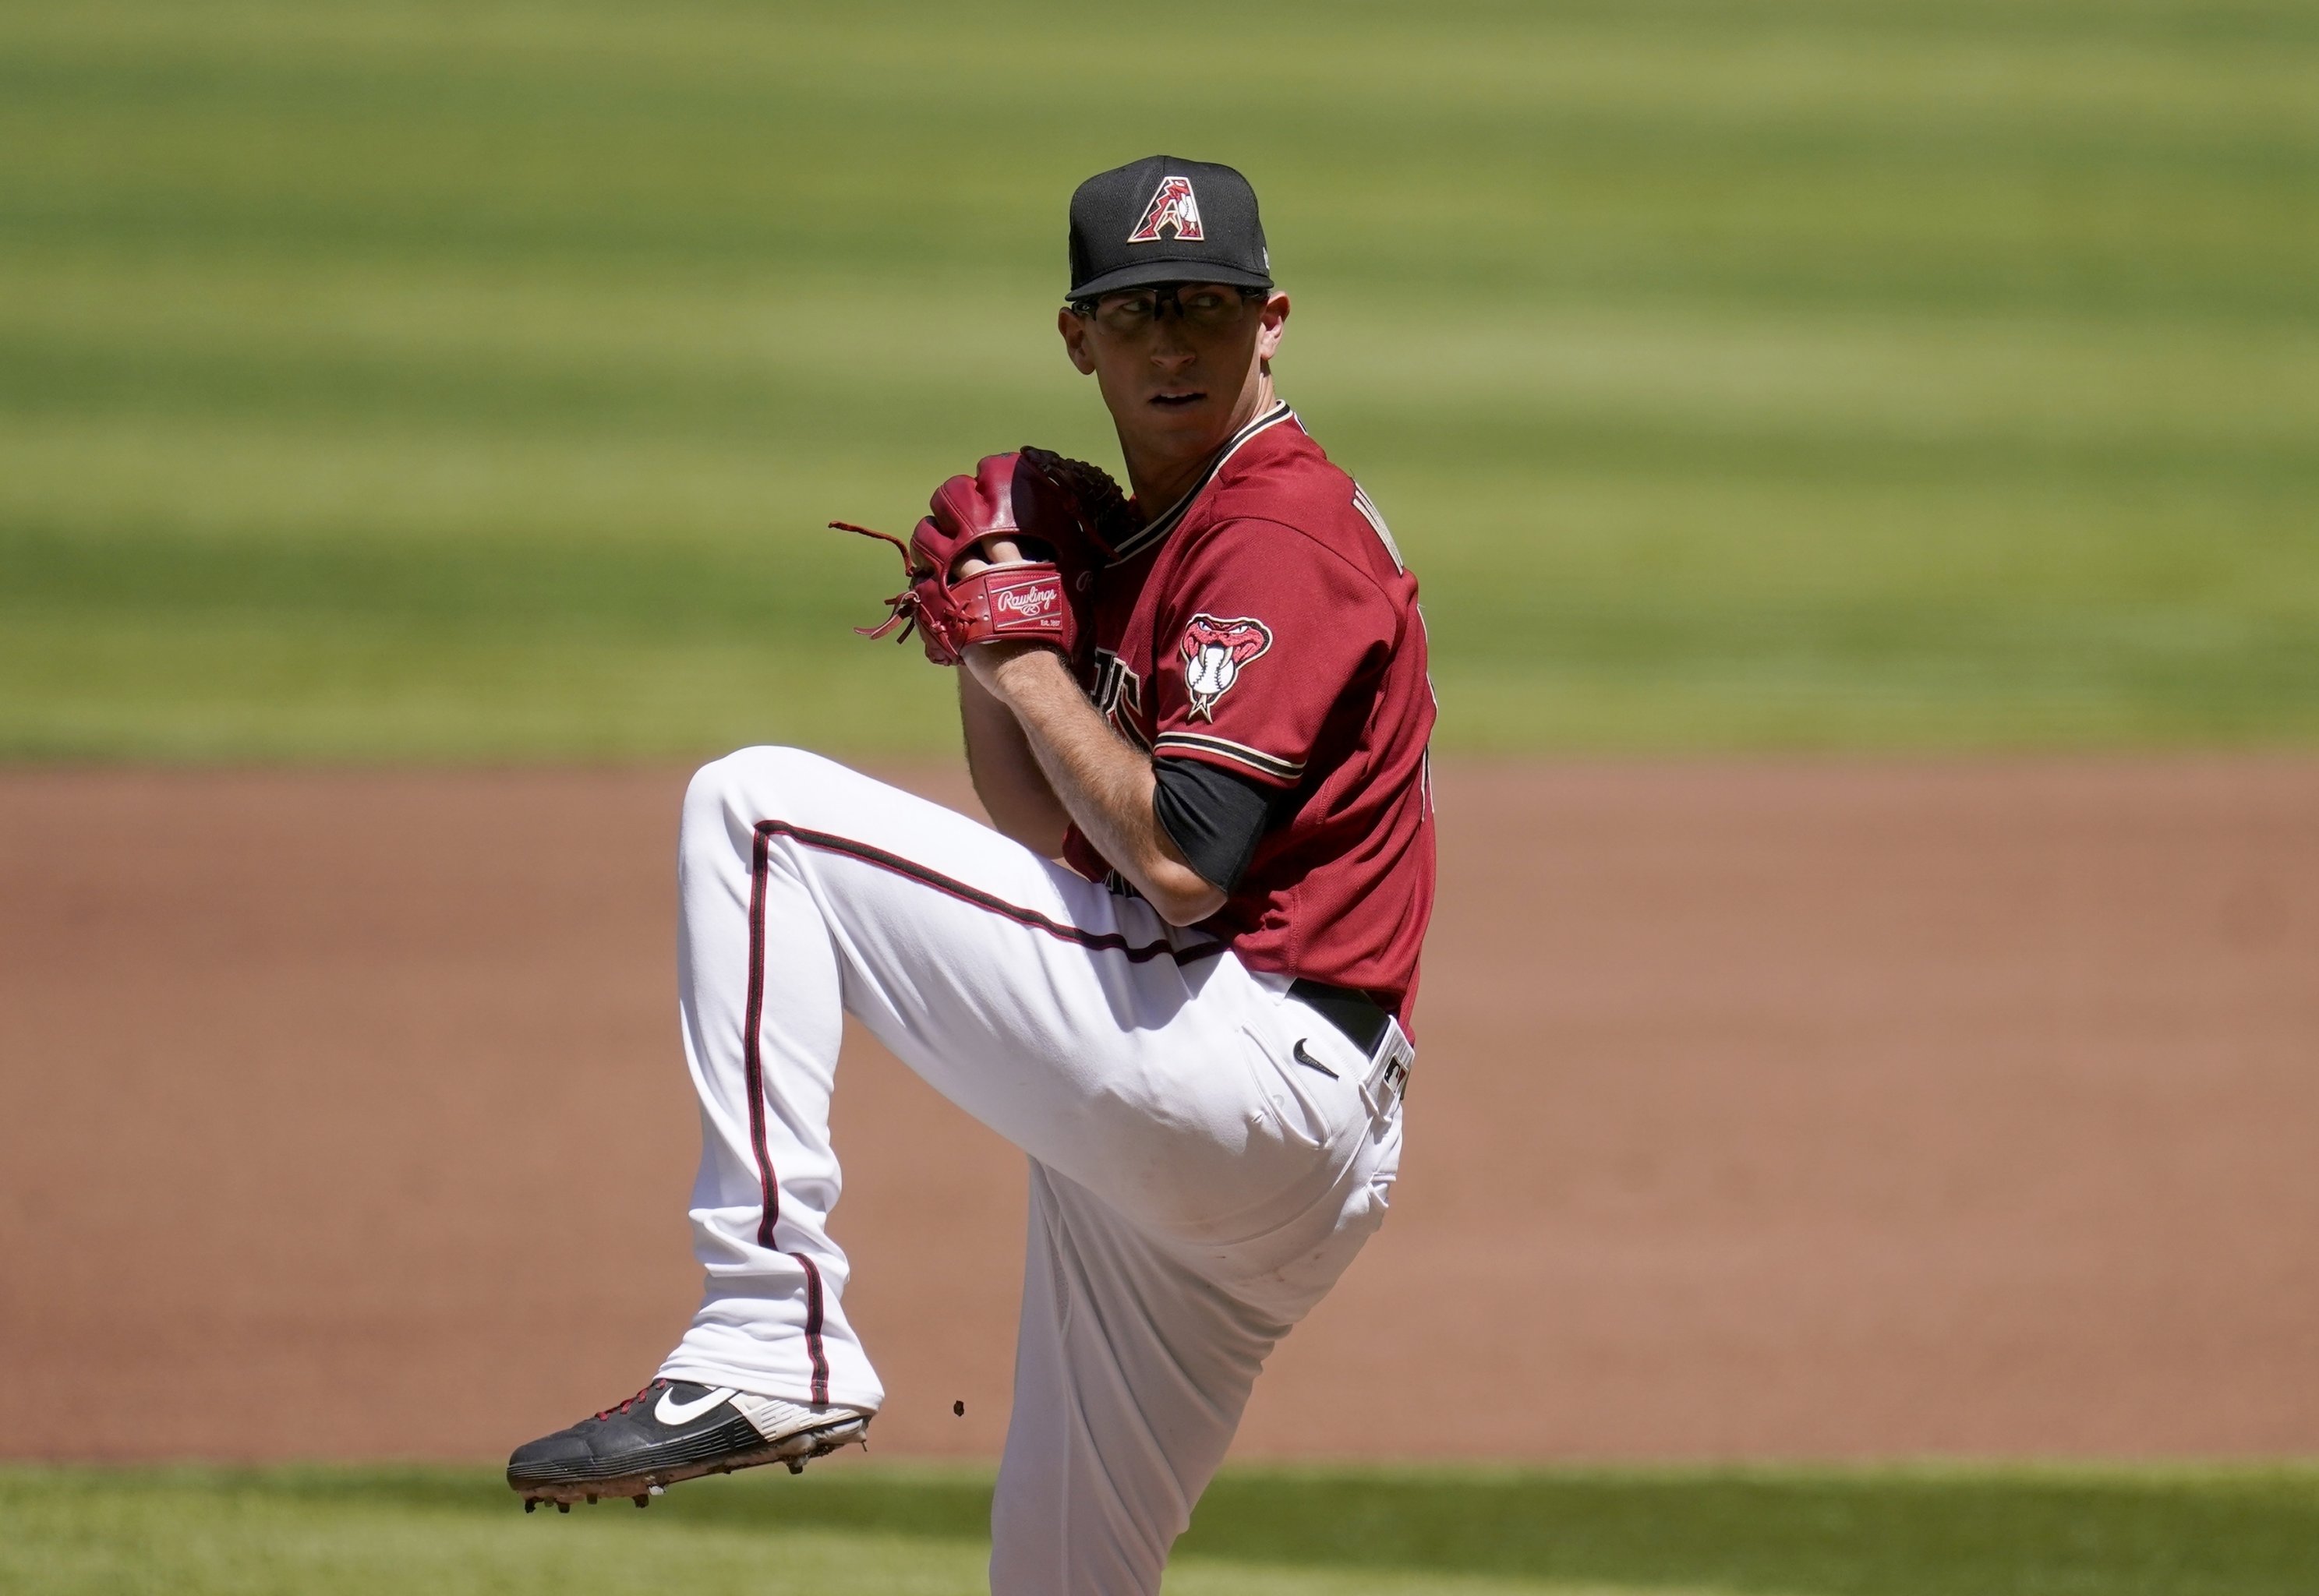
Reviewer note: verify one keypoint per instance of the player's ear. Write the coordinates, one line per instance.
(1275, 323)
(1074, 329)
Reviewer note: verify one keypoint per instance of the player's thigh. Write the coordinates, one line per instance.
(1066, 1017)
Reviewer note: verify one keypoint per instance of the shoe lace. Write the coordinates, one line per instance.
(632, 1402)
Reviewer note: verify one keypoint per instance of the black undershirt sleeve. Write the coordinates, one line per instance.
(1213, 817)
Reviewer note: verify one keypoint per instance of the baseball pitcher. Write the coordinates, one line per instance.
(1177, 969)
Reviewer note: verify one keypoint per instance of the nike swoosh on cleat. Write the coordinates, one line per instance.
(673, 1412)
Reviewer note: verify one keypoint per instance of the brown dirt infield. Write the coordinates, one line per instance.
(1770, 1110)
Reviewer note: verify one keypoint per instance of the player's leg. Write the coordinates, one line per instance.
(1132, 1058)
(1072, 1021)
(1136, 1356)
(1122, 1407)
(1138, 1348)
(770, 1360)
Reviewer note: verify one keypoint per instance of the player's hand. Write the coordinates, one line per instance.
(986, 657)
(984, 555)
(1003, 552)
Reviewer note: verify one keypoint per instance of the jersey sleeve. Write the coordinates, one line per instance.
(1261, 635)
(1215, 814)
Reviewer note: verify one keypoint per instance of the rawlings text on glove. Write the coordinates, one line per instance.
(1032, 496)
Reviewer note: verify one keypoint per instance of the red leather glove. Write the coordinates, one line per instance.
(1034, 497)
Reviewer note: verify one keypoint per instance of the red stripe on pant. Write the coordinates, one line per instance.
(752, 1057)
(753, 1060)
(813, 1349)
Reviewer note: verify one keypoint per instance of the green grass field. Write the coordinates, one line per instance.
(886, 1531)
(389, 380)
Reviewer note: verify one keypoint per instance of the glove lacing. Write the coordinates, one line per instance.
(903, 604)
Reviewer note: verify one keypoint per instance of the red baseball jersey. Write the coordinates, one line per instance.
(1266, 624)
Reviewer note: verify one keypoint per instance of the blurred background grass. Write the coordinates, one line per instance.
(395, 380)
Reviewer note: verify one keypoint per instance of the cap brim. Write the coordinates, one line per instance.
(1150, 273)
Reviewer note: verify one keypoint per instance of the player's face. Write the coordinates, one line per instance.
(1181, 368)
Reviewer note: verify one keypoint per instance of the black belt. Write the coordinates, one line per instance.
(1359, 1015)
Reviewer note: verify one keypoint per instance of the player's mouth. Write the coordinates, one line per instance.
(1178, 400)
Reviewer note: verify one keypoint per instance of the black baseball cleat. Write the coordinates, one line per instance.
(672, 1430)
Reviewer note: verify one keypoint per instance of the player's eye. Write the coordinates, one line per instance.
(1131, 314)
(1212, 308)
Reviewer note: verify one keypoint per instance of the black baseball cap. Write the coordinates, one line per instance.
(1161, 219)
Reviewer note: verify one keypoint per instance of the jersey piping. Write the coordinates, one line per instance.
(1165, 523)
(1255, 759)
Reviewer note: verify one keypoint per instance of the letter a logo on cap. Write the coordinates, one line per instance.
(1172, 207)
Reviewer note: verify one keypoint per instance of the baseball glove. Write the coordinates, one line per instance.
(1072, 513)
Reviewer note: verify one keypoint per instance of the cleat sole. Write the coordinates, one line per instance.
(794, 1451)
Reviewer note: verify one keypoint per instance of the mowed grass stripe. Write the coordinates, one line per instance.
(382, 381)
(763, 361)
(1918, 1532)
(1994, 183)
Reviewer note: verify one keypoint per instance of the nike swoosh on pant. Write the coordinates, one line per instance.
(1308, 1060)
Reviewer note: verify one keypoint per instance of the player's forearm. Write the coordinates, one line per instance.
(1014, 790)
(1104, 784)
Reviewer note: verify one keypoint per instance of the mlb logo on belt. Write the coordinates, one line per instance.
(1172, 207)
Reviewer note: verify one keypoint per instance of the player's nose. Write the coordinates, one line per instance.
(1168, 341)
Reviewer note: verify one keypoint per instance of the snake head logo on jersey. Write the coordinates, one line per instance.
(1172, 207)
(1213, 652)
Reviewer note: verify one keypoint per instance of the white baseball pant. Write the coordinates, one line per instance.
(1194, 1188)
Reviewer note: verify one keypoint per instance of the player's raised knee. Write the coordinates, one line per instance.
(763, 782)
